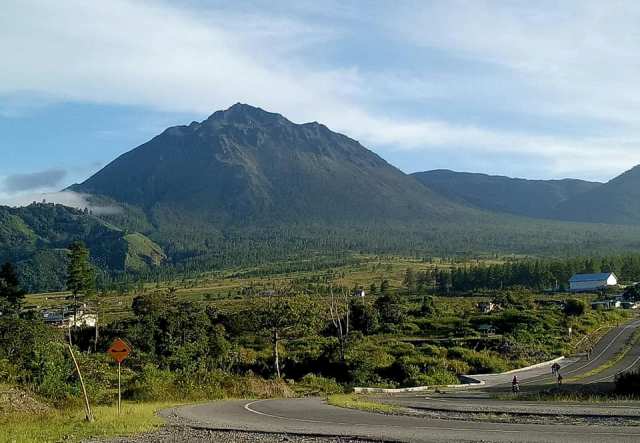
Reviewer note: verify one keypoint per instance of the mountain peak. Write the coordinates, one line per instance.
(242, 113)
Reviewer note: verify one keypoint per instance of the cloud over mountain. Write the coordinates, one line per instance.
(49, 178)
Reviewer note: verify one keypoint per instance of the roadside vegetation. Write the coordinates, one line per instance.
(70, 425)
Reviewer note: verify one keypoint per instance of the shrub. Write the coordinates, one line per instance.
(153, 384)
(628, 383)
(575, 307)
(312, 384)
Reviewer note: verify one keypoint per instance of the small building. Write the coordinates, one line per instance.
(64, 318)
(486, 307)
(606, 304)
(592, 282)
(630, 305)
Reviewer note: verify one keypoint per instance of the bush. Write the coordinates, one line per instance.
(312, 384)
(153, 384)
(52, 372)
(628, 383)
(480, 362)
(575, 307)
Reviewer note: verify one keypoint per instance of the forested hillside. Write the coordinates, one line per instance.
(617, 201)
(36, 237)
(531, 198)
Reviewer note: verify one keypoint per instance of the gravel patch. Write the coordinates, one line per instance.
(17, 400)
(178, 434)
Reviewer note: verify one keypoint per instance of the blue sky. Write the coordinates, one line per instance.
(529, 89)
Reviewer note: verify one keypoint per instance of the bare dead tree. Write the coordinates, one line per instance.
(339, 310)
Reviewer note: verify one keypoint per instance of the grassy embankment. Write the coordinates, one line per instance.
(70, 425)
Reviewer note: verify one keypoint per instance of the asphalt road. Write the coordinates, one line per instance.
(313, 416)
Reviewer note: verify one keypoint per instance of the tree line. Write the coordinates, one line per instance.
(531, 274)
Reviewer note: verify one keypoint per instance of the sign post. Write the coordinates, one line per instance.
(119, 350)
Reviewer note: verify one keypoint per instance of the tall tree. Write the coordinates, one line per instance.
(410, 280)
(340, 313)
(80, 275)
(11, 294)
(284, 317)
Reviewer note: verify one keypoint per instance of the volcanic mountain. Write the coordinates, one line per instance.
(245, 165)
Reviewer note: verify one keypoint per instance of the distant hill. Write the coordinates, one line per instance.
(617, 201)
(36, 237)
(247, 166)
(530, 198)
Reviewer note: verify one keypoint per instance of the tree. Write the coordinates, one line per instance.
(575, 307)
(339, 311)
(364, 316)
(632, 293)
(391, 309)
(410, 280)
(284, 317)
(80, 275)
(428, 306)
(11, 294)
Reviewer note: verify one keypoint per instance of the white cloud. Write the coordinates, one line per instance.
(67, 198)
(577, 61)
(575, 57)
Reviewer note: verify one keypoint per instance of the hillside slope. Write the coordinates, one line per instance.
(617, 201)
(530, 198)
(36, 238)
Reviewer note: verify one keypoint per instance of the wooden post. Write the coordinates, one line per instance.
(87, 407)
(119, 390)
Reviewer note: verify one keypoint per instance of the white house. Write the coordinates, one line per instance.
(359, 293)
(592, 282)
(486, 307)
(64, 318)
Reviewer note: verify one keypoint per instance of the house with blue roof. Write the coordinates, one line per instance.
(592, 282)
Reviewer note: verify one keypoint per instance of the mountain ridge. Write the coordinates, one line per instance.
(617, 201)
(496, 193)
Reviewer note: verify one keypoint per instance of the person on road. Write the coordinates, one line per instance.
(555, 368)
(515, 385)
(589, 351)
(559, 379)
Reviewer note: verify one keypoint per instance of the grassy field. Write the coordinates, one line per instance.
(70, 426)
(225, 289)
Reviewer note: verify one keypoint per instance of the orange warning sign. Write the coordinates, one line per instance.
(119, 350)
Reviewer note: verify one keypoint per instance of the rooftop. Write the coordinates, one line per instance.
(591, 277)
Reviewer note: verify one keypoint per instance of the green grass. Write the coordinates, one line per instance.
(633, 340)
(70, 426)
(353, 401)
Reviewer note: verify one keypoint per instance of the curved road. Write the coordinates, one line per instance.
(313, 416)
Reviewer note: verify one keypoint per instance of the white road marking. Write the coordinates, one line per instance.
(248, 407)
